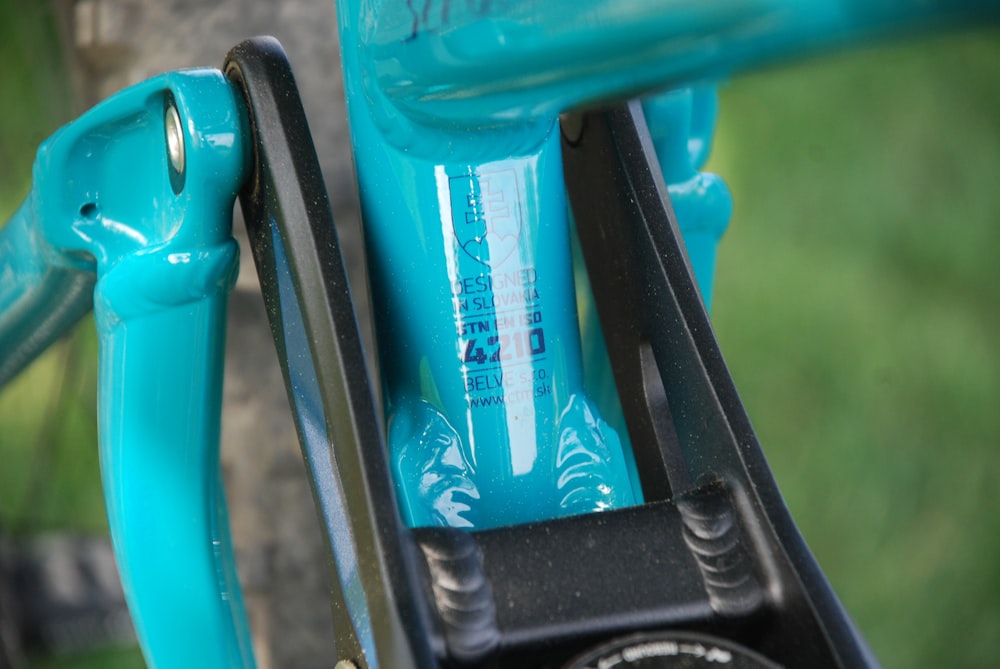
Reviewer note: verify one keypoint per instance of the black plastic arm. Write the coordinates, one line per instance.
(378, 600)
(712, 563)
(682, 409)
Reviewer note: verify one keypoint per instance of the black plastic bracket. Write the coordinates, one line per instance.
(380, 610)
(684, 415)
(714, 551)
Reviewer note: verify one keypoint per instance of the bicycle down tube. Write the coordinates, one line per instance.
(489, 424)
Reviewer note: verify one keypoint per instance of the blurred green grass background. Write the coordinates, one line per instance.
(47, 425)
(49, 472)
(855, 303)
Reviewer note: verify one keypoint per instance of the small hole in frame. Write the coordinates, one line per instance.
(89, 210)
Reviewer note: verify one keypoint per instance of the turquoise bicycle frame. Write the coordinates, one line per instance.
(453, 112)
(456, 108)
(106, 202)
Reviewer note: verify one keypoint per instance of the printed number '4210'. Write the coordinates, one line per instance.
(504, 347)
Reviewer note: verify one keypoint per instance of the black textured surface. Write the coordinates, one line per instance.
(589, 576)
(685, 418)
(291, 234)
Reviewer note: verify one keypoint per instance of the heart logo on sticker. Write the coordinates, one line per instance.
(486, 215)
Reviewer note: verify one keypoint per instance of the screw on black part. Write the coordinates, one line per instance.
(462, 593)
(713, 535)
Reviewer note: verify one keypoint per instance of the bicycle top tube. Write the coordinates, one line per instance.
(480, 63)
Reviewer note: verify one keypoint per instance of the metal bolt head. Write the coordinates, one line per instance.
(175, 138)
(572, 126)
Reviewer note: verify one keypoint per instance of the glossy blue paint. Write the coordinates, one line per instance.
(480, 63)
(105, 200)
(39, 299)
(681, 124)
(452, 109)
(468, 244)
